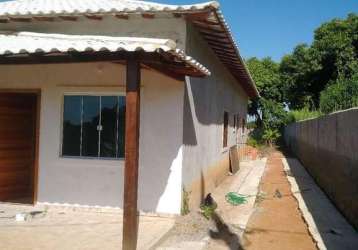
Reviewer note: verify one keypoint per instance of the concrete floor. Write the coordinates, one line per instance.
(277, 223)
(80, 228)
(193, 232)
(326, 224)
(73, 228)
(298, 216)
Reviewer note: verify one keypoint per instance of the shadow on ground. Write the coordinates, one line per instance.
(223, 233)
(334, 230)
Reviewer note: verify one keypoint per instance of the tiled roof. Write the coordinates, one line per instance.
(31, 43)
(51, 7)
(211, 24)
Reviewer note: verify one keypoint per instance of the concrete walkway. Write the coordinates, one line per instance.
(73, 228)
(277, 223)
(328, 227)
(193, 232)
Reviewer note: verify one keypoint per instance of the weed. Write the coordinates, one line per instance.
(185, 202)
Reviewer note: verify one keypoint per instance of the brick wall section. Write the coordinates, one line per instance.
(328, 148)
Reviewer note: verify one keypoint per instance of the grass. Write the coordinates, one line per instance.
(303, 114)
(185, 202)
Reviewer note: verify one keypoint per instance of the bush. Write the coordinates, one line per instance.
(302, 114)
(343, 94)
(255, 138)
(271, 136)
(274, 115)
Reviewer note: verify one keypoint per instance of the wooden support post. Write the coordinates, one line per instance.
(130, 213)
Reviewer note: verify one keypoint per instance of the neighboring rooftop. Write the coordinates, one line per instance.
(207, 18)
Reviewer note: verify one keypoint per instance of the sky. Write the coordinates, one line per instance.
(274, 27)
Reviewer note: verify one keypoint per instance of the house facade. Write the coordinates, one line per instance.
(63, 133)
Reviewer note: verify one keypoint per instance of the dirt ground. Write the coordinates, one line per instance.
(277, 222)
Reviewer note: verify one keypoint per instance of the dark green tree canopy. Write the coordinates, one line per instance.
(310, 69)
(265, 73)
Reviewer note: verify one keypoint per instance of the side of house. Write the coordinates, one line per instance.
(213, 109)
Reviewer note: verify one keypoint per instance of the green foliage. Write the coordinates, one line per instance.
(266, 74)
(309, 69)
(185, 202)
(343, 94)
(274, 115)
(302, 114)
(271, 136)
(255, 138)
(208, 210)
(312, 77)
(269, 109)
(236, 199)
(253, 142)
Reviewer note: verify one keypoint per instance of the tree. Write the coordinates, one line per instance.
(342, 94)
(309, 69)
(265, 73)
(298, 74)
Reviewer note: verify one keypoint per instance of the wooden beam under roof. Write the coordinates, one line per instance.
(220, 35)
(148, 15)
(95, 17)
(20, 19)
(69, 18)
(44, 18)
(200, 16)
(122, 16)
(217, 47)
(149, 58)
(218, 43)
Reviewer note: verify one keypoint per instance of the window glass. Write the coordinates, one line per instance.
(109, 123)
(90, 126)
(72, 126)
(94, 126)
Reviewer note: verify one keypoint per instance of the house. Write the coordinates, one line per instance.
(89, 89)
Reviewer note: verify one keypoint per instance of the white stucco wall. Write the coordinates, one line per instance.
(100, 182)
(181, 123)
(206, 99)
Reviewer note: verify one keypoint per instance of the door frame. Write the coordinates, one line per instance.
(35, 172)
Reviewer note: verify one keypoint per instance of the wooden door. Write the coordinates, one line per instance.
(17, 146)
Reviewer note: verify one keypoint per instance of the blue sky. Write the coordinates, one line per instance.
(274, 27)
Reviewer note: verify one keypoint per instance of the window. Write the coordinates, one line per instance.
(243, 125)
(237, 122)
(226, 124)
(93, 126)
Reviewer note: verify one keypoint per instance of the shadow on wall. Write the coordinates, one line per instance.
(335, 231)
(189, 133)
